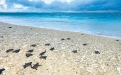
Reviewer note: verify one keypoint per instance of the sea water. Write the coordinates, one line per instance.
(99, 23)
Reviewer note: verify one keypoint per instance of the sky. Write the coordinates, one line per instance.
(59, 5)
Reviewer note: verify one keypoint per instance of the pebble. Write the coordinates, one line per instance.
(90, 69)
(1, 58)
(63, 47)
(63, 55)
(35, 57)
(6, 68)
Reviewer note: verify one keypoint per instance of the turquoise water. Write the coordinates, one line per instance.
(100, 23)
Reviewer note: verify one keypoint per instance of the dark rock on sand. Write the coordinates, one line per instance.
(1, 70)
(43, 53)
(27, 64)
(43, 57)
(36, 66)
(9, 50)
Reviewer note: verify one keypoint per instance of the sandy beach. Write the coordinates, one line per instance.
(64, 53)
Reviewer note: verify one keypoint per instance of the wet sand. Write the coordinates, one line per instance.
(67, 53)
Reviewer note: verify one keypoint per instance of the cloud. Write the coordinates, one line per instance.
(63, 5)
(3, 4)
(19, 6)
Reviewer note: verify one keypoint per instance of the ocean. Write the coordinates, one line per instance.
(97, 23)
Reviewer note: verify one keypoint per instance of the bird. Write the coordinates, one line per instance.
(74, 51)
(16, 51)
(43, 57)
(36, 66)
(1, 70)
(27, 64)
(42, 53)
(28, 54)
(9, 50)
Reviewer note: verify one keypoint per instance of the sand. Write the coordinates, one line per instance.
(96, 55)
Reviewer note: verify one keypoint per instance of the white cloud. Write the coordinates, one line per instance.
(46, 1)
(19, 6)
(60, 5)
(49, 1)
(3, 3)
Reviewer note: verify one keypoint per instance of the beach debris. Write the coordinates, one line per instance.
(36, 66)
(62, 39)
(52, 48)
(1, 70)
(30, 50)
(9, 50)
(68, 38)
(84, 44)
(28, 54)
(97, 52)
(27, 64)
(74, 51)
(48, 44)
(9, 27)
(16, 51)
(33, 45)
(43, 57)
(42, 53)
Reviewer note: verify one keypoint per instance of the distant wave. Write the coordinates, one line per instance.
(103, 23)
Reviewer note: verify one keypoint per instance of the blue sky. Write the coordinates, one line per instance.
(60, 5)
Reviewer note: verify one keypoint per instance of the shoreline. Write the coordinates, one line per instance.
(66, 53)
(89, 33)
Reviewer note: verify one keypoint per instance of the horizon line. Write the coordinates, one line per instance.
(53, 11)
